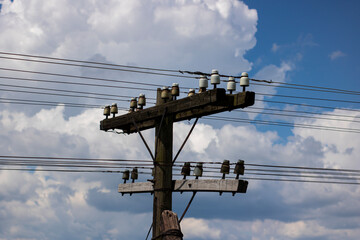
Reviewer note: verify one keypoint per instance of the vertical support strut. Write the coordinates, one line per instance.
(163, 167)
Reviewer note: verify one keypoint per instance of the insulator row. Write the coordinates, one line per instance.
(186, 170)
(225, 169)
(134, 175)
(137, 104)
(215, 80)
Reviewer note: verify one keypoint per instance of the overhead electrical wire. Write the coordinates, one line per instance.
(309, 89)
(99, 85)
(301, 116)
(120, 96)
(151, 69)
(47, 104)
(35, 102)
(308, 105)
(75, 76)
(69, 95)
(178, 164)
(147, 89)
(66, 95)
(308, 98)
(204, 176)
(97, 67)
(299, 111)
(69, 91)
(317, 87)
(89, 62)
(262, 100)
(101, 165)
(75, 158)
(38, 102)
(285, 124)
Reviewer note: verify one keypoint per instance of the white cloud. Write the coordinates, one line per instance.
(177, 34)
(199, 228)
(336, 54)
(173, 34)
(65, 199)
(269, 72)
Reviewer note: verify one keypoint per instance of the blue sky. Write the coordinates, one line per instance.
(299, 42)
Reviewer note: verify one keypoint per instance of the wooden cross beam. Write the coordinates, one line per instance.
(189, 185)
(201, 104)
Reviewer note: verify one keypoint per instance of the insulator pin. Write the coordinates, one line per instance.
(191, 92)
(215, 77)
(198, 171)
(141, 100)
(244, 80)
(107, 111)
(203, 84)
(114, 109)
(239, 168)
(134, 174)
(126, 175)
(133, 104)
(175, 90)
(185, 171)
(231, 85)
(165, 93)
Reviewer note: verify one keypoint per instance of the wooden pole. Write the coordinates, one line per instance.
(163, 167)
(170, 226)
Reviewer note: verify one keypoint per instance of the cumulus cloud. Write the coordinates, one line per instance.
(168, 33)
(174, 34)
(199, 228)
(78, 197)
(180, 35)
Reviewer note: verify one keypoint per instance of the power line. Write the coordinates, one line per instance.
(285, 124)
(308, 105)
(301, 181)
(306, 112)
(301, 175)
(59, 170)
(90, 62)
(113, 86)
(316, 88)
(277, 95)
(46, 104)
(73, 76)
(300, 116)
(98, 85)
(76, 158)
(205, 176)
(164, 70)
(304, 168)
(308, 98)
(178, 165)
(97, 67)
(70, 91)
(307, 89)
(283, 83)
(50, 103)
(62, 162)
(64, 95)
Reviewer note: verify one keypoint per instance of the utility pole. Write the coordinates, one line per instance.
(162, 116)
(163, 166)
